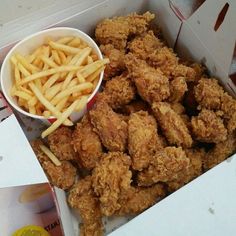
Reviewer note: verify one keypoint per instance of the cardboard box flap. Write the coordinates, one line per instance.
(214, 23)
(18, 165)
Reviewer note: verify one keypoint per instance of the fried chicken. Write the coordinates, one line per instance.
(151, 84)
(82, 198)
(167, 165)
(60, 143)
(116, 64)
(208, 127)
(119, 91)
(143, 140)
(137, 199)
(208, 93)
(116, 31)
(220, 152)
(142, 46)
(110, 177)
(111, 129)
(135, 106)
(87, 144)
(62, 176)
(172, 125)
(196, 157)
(178, 87)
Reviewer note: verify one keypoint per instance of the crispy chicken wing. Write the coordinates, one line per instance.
(135, 106)
(151, 84)
(111, 129)
(167, 165)
(82, 198)
(119, 91)
(143, 140)
(208, 127)
(172, 125)
(137, 199)
(220, 152)
(117, 30)
(62, 176)
(60, 143)
(110, 177)
(87, 144)
(208, 93)
(116, 64)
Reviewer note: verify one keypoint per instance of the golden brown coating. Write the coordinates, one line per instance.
(111, 129)
(208, 127)
(82, 198)
(167, 165)
(60, 143)
(196, 157)
(220, 152)
(135, 106)
(178, 87)
(184, 71)
(172, 125)
(151, 84)
(143, 140)
(87, 144)
(116, 64)
(119, 91)
(110, 177)
(137, 199)
(62, 176)
(208, 93)
(142, 46)
(117, 30)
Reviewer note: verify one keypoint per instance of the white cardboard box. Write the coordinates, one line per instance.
(207, 205)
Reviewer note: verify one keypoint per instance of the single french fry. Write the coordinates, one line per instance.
(80, 78)
(64, 48)
(17, 76)
(52, 91)
(69, 91)
(23, 71)
(50, 155)
(65, 40)
(56, 57)
(48, 61)
(26, 90)
(82, 103)
(61, 119)
(62, 57)
(22, 95)
(52, 80)
(47, 104)
(48, 72)
(95, 74)
(60, 105)
(75, 42)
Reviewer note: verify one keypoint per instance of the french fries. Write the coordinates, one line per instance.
(56, 79)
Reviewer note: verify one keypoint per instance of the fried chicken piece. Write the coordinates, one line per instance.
(208, 93)
(111, 129)
(135, 106)
(178, 108)
(83, 198)
(119, 91)
(166, 60)
(62, 176)
(172, 125)
(151, 84)
(87, 144)
(178, 87)
(208, 127)
(143, 140)
(200, 71)
(116, 64)
(137, 199)
(196, 157)
(60, 144)
(142, 46)
(167, 165)
(220, 152)
(117, 30)
(110, 177)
